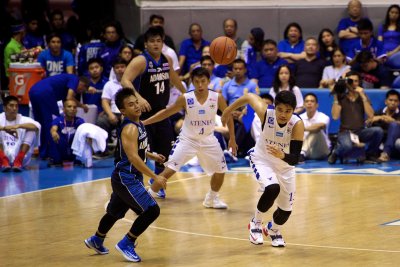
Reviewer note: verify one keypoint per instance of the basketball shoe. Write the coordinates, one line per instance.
(96, 243)
(127, 249)
(275, 235)
(255, 229)
(161, 193)
(214, 202)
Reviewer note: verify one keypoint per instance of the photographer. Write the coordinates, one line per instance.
(351, 105)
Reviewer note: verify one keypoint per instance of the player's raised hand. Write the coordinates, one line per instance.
(144, 105)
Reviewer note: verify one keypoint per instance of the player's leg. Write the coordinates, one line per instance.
(24, 155)
(212, 160)
(285, 201)
(4, 160)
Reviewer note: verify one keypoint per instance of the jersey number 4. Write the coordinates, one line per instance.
(160, 88)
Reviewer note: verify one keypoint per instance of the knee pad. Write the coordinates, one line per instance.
(281, 216)
(267, 199)
(153, 212)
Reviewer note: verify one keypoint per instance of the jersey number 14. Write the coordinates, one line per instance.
(160, 88)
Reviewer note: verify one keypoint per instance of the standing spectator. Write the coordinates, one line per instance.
(62, 134)
(351, 108)
(191, 49)
(338, 69)
(389, 34)
(291, 47)
(251, 48)
(57, 26)
(155, 20)
(389, 120)
(44, 96)
(284, 81)
(347, 28)
(34, 34)
(316, 142)
(327, 44)
(309, 70)
(56, 60)
(264, 71)
(374, 74)
(18, 136)
(15, 45)
(367, 42)
(96, 85)
(230, 27)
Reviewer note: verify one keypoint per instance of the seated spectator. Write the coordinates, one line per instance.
(127, 54)
(110, 118)
(389, 31)
(367, 42)
(263, 72)
(256, 127)
(44, 96)
(373, 73)
(56, 60)
(251, 48)
(351, 108)
(191, 49)
(216, 83)
(327, 44)
(284, 80)
(291, 47)
(316, 142)
(389, 120)
(96, 85)
(347, 28)
(15, 45)
(230, 27)
(57, 26)
(231, 91)
(155, 20)
(62, 134)
(19, 135)
(34, 35)
(339, 68)
(308, 71)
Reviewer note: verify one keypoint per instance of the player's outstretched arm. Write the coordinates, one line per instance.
(232, 141)
(252, 99)
(167, 112)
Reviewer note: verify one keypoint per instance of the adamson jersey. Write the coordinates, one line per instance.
(153, 84)
(199, 119)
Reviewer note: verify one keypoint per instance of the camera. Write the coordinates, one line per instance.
(341, 85)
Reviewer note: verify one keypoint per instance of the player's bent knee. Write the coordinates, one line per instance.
(281, 216)
(267, 199)
(153, 212)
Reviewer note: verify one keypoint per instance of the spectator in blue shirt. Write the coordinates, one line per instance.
(367, 42)
(96, 85)
(56, 60)
(62, 132)
(389, 34)
(347, 28)
(291, 47)
(251, 48)
(265, 69)
(191, 49)
(33, 36)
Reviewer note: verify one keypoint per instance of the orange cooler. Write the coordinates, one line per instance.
(22, 77)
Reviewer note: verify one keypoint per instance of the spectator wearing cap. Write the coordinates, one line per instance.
(15, 45)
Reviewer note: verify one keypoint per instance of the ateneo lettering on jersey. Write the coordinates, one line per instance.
(200, 118)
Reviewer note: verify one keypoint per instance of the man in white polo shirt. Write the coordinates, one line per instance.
(316, 142)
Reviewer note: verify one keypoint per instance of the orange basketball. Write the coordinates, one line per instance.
(223, 50)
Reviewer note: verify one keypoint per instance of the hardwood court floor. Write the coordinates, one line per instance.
(337, 221)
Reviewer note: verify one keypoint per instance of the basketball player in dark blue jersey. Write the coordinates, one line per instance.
(152, 72)
(127, 181)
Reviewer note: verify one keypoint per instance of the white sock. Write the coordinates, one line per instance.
(258, 216)
(212, 193)
(275, 227)
(152, 193)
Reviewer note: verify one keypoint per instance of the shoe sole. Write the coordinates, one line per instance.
(126, 257)
(95, 249)
(211, 207)
(17, 169)
(6, 169)
(265, 232)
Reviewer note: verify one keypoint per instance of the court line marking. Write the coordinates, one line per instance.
(242, 239)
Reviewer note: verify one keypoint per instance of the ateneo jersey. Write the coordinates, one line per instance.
(153, 84)
(199, 119)
(273, 134)
(122, 163)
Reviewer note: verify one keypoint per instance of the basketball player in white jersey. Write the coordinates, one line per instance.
(197, 135)
(273, 159)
